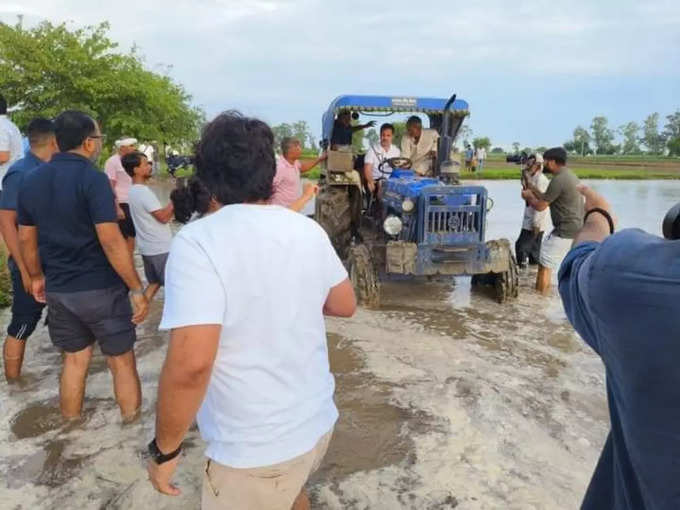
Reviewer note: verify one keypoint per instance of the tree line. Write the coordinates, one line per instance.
(634, 139)
(50, 68)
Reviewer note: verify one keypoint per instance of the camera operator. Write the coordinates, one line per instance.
(620, 293)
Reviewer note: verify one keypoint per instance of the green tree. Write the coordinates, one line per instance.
(281, 131)
(399, 131)
(630, 132)
(651, 137)
(49, 68)
(465, 133)
(482, 142)
(515, 147)
(603, 136)
(497, 150)
(541, 149)
(372, 137)
(580, 143)
(672, 133)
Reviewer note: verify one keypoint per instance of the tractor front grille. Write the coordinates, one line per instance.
(452, 222)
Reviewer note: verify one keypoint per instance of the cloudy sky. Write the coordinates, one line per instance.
(531, 70)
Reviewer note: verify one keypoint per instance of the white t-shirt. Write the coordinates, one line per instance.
(10, 141)
(376, 154)
(532, 217)
(153, 237)
(481, 153)
(264, 273)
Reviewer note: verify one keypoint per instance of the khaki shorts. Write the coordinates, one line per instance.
(553, 251)
(263, 488)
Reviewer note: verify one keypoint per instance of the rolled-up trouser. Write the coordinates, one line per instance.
(553, 251)
(528, 246)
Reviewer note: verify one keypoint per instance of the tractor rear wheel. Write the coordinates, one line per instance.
(506, 284)
(364, 276)
(334, 214)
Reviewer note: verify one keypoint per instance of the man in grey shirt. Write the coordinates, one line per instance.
(566, 212)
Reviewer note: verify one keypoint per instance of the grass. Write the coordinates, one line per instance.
(5, 281)
(508, 171)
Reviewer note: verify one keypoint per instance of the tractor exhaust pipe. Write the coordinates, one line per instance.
(445, 168)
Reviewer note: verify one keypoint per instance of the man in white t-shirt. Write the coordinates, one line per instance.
(150, 220)
(480, 156)
(247, 287)
(375, 161)
(11, 146)
(534, 222)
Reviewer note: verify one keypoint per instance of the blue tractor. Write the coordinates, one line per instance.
(425, 225)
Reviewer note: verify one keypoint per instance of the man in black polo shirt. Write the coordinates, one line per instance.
(343, 130)
(79, 264)
(26, 311)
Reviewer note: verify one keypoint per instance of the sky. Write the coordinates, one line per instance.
(531, 70)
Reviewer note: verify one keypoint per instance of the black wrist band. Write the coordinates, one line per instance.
(160, 457)
(603, 213)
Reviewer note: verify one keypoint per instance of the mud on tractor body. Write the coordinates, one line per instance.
(425, 226)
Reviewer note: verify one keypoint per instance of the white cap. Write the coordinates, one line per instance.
(124, 142)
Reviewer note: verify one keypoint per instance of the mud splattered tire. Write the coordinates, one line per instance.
(364, 276)
(506, 284)
(333, 213)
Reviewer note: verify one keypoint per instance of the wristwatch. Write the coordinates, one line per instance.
(160, 457)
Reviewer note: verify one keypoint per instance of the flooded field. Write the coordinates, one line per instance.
(447, 400)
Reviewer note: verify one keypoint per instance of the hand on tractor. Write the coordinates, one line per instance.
(310, 189)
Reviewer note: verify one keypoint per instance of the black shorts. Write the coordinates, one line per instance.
(26, 311)
(126, 225)
(77, 319)
(154, 268)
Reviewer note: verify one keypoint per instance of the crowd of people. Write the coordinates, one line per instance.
(247, 288)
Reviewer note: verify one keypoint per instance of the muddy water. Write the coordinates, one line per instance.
(447, 400)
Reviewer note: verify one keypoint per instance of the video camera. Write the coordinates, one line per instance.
(518, 159)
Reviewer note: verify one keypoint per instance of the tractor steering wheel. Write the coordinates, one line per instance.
(400, 163)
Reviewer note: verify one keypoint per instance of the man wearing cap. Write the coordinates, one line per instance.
(566, 211)
(419, 145)
(343, 130)
(528, 245)
(121, 184)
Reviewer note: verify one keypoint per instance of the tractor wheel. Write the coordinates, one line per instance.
(506, 284)
(364, 276)
(334, 215)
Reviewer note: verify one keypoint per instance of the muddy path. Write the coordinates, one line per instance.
(447, 400)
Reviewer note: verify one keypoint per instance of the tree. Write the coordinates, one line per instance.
(281, 131)
(672, 133)
(465, 133)
(482, 142)
(630, 132)
(399, 131)
(497, 150)
(49, 68)
(372, 137)
(515, 147)
(653, 140)
(580, 143)
(602, 135)
(541, 149)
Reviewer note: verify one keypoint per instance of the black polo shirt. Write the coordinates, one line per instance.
(65, 199)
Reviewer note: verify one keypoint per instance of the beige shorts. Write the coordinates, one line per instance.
(553, 251)
(270, 487)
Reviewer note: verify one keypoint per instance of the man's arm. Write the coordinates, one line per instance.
(4, 157)
(596, 227)
(359, 127)
(8, 228)
(28, 245)
(308, 193)
(341, 300)
(164, 215)
(306, 166)
(533, 201)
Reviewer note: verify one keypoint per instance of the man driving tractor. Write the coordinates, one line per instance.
(420, 146)
(376, 166)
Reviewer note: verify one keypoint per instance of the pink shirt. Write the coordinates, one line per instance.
(122, 181)
(287, 183)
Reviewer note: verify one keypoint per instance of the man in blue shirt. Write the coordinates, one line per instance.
(26, 311)
(621, 293)
(68, 231)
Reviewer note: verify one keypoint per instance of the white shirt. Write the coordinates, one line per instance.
(153, 237)
(481, 153)
(376, 154)
(419, 153)
(10, 141)
(533, 217)
(263, 272)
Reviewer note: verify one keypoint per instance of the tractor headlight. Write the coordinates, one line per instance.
(392, 225)
(407, 205)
